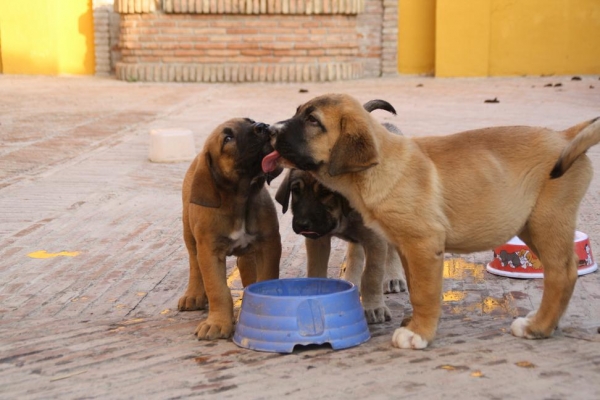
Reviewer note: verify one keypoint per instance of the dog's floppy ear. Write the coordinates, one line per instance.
(283, 193)
(354, 150)
(204, 190)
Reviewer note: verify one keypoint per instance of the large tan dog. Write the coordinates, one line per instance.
(466, 192)
(320, 214)
(228, 211)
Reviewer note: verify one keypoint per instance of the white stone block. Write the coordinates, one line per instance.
(171, 145)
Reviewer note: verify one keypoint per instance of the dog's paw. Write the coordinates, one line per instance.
(378, 315)
(520, 327)
(394, 286)
(189, 302)
(211, 331)
(404, 338)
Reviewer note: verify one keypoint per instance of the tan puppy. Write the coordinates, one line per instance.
(228, 211)
(320, 215)
(461, 193)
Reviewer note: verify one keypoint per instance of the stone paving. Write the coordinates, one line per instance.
(92, 260)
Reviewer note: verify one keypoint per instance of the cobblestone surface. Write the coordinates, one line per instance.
(96, 316)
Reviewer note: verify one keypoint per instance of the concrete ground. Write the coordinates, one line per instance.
(92, 260)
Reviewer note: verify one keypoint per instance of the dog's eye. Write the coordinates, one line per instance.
(227, 135)
(324, 193)
(312, 120)
(296, 190)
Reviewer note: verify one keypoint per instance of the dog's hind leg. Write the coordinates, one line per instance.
(550, 233)
(560, 275)
(393, 281)
(554, 248)
(195, 295)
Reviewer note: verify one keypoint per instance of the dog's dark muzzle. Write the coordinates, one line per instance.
(262, 130)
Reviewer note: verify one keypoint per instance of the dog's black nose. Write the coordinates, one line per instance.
(302, 224)
(260, 127)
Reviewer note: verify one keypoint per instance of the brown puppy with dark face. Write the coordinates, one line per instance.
(319, 215)
(228, 211)
(434, 194)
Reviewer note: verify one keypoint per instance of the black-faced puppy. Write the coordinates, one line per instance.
(228, 211)
(434, 194)
(319, 215)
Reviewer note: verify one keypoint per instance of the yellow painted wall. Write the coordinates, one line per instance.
(47, 37)
(502, 37)
(416, 36)
(462, 38)
(545, 37)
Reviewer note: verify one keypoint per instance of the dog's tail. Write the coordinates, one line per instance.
(379, 105)
(582, 136)
(383, 105)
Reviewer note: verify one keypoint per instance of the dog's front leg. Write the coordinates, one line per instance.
(424, 264)
(317, 256)
(219, 323)
(355, 262)
(372, 279)
(246, 265)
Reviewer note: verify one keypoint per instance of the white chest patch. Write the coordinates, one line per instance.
(240, 239)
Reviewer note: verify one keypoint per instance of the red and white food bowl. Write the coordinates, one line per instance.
(514, 259)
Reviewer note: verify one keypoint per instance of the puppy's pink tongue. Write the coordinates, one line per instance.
(269, 162)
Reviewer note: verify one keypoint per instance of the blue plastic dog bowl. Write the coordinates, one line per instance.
(279, 314)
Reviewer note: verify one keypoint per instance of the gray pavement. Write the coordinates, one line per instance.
(96, 316)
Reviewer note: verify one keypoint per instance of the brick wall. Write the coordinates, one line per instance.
(389, 38)
(368, 26)
(106, 37)
(188, 42)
